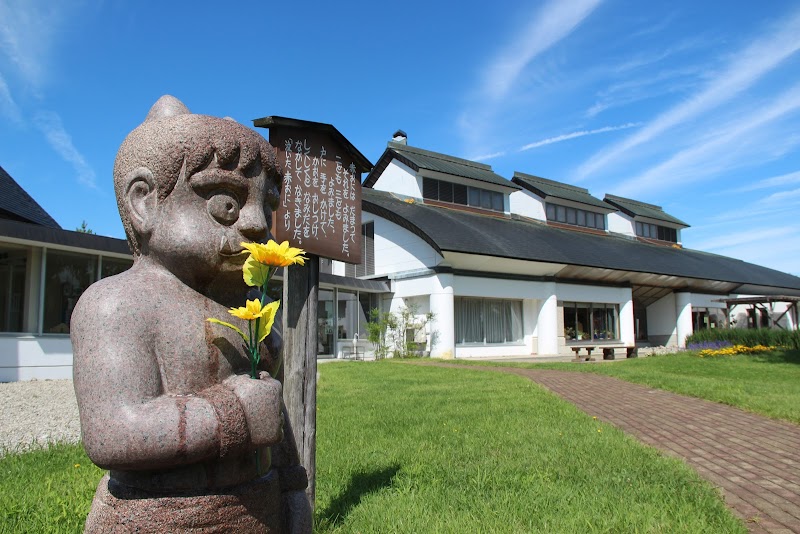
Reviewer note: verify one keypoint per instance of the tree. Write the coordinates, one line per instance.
(84, 229)
(399, 332)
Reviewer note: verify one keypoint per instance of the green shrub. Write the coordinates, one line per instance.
(746, 336)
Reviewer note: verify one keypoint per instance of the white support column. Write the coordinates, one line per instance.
(547, 325)
(683, 311)
(627, 332)
(442, 304)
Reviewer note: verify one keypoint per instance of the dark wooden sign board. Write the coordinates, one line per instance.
(320, 206)
(320, 212)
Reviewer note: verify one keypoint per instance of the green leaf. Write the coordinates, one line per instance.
(265, 325)
(229, 325)
(255, 274)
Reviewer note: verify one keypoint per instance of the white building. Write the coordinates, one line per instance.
(533, 267)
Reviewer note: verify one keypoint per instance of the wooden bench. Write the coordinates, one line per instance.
(609, 351)
(577, 350)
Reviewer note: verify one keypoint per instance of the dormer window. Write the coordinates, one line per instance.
(575, 216)
(464, 195)
(655, 231)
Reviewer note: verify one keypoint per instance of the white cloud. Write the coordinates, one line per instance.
(52, 127)
(775, 181)
(581, 133)
(746, 68)
(488, 156)
(27, 28)
(713, 153)
(549, 25)
(8, 107)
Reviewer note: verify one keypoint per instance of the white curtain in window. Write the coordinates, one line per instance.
(488, 321)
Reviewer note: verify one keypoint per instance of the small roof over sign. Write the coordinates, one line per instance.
(361, 162)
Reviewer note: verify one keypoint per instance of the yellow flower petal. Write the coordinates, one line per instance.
(274, 254)
(250, 311)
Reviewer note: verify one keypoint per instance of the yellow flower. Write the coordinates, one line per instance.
(77, 465)
(276, 255)
(252, 310)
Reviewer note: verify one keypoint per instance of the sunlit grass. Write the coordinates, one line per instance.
(766, 383)
(404, 448)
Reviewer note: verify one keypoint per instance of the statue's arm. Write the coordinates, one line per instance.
(128, 422)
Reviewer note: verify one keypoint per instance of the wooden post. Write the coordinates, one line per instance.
(300, 297)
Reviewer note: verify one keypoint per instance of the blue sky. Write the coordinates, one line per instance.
(694, 106)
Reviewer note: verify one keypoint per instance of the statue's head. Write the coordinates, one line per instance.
(191, 187)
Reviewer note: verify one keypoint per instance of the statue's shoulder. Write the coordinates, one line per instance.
(114, 299)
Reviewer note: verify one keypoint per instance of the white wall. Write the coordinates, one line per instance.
(527, 204)
(26, 357)
(620, 223)
(401, 179)
(662, 319)
(398, 250)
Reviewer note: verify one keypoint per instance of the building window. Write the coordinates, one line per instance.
(708, 318)
(575, 216)
(66, 278)
(13, 264)
(464, 195)
(654, 231)
(112, 266)
(488, 321)
(367, 265)
(585, 321)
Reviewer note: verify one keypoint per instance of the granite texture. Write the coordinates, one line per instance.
(165, 399)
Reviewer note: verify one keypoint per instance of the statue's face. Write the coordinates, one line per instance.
(201, 224)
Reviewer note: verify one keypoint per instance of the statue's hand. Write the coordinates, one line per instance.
(261, 402)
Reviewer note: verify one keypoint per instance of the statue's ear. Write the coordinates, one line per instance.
(141, 200)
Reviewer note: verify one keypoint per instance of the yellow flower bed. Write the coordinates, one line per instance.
(735, 349)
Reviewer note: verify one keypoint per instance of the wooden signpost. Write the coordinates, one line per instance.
(320, 212)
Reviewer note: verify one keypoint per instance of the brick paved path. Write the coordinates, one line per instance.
(751, 458)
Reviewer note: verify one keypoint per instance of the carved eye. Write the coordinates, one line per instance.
(224, 207)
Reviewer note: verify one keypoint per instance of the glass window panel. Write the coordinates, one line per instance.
(460, 194)
(486, 199)
(469, 320)
(497, 201)
(581, 218)
(112, 266)
(325, 320)
(445, 191)
(66, 277)
(430, 188)
(600, 221)
(366, 301)
(639, 229)
(347, 317)
(590, 217)
(570, 321)
(561, 214)
(475, 197)
(571, 215)
(551, 212)
(12, 289)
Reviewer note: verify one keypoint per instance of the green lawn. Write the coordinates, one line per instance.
(405, 448)
(768, 383)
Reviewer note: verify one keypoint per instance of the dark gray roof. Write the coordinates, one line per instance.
(18, 205)
(460, 231)
(548, 188)
(634, 208)
(57, 236)
(417, 159)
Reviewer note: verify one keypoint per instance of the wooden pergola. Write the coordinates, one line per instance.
(760, 304)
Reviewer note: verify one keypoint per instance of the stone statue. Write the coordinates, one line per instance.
(192, 443)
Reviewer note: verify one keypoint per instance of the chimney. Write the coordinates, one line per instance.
(400, 137)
